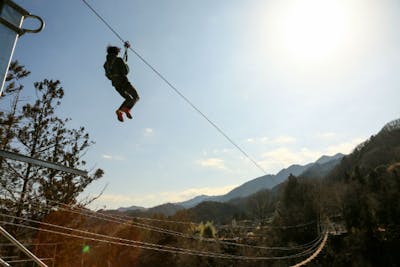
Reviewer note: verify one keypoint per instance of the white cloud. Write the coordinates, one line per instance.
(216, 163)
(345, 147)
(284, 139)
(222, 151)
(279, 140)
(148, 131)
(327, 135)
(114, 198)
(277, 159)
(264, 140)
(110, 157)
(283, 157)
(257, 140)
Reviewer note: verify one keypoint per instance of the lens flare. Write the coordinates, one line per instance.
(85, 249)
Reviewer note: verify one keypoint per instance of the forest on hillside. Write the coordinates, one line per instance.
(356, 205)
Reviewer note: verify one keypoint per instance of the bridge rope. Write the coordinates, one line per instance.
(130, 223)
(86, 235)
(315, 254)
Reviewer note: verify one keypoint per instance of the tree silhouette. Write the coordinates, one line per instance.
(34, 129)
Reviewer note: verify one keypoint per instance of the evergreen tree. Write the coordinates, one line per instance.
(297, 213)
(9, 119)
(34, 130)
(260, 205)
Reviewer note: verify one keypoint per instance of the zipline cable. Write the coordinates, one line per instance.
(128, 219)
(175, 89)
(213, 255)
(108, 218)
(29, 260)
(157, 247)
(83, 232)
(130, 223)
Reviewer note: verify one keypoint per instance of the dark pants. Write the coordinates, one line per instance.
(127, 91)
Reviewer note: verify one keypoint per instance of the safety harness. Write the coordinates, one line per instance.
(110, 63)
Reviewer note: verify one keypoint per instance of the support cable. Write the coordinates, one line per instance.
(118, 239)
(107, 218)
(155, 248)
(128, 219)
(315, 254)
(21, 247)
(162, 77)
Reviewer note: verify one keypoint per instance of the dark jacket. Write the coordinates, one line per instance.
(115, 69)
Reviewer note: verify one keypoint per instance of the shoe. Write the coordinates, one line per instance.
(119, 115)
(127, 112)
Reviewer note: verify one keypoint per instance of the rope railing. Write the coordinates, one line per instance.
(150, 246)
(130, 223)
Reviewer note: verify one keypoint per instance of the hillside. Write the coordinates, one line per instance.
(322, 166)
(380, 149)
(317, 169)
(263, 182)
(219, 213)
(167, 209)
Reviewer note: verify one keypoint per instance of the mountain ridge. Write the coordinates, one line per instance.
(267, 181)
(321, 166)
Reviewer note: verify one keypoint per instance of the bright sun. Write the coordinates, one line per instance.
(315, 29)
(310, 31)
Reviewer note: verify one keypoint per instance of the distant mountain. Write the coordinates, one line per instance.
(317, 169)
(167, 209)
(218, 212)
(263, 182)
(323, 164)
(326, 159)
(197, 200)
(131, 208)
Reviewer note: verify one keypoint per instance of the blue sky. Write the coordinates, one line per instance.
(287, 80)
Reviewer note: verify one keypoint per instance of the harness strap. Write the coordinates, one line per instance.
(108, 67)
(127, 45)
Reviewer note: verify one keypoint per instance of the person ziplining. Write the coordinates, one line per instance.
(116, 70)
(133, 96)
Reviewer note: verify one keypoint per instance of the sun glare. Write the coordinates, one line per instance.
(314, 30)
(310, 33)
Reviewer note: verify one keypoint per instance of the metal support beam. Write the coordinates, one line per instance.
(22, 248)
(11, 19)
(43, 163)
(4, 264)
